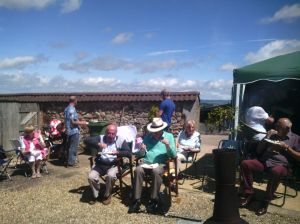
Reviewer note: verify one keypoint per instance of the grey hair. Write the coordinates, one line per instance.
(190, 122)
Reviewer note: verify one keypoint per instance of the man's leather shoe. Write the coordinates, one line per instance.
(107, 200)
(93, 201)
(246, 201)
(135, 208)
(263, 209)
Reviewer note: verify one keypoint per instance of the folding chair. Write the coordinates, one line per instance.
(124, 165)
(183, 175)
(4, 163)
(170, 178)
(22, 159)
(290, 179)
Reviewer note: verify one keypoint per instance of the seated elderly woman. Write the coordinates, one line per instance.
(188, 141)
(33, 149)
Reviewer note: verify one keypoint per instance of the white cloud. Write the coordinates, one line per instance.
(25, 4)
(66, 5)
(215, 89)
(286, 13)
(228, 67)
(156, 53)
(122, 38)
(273, 49)
(22, 82)
(20, 62)
(153, 66)
(96, 81)
(108, 63)
(70, 5)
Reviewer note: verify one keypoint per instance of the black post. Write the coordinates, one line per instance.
(226, 209)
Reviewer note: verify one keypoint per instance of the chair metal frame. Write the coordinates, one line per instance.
(192, 162)
(289, 178)
(21, 158)
(121, 172)
(171, 178)
(4, 163)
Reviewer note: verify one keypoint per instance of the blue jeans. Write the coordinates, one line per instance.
(73, 142)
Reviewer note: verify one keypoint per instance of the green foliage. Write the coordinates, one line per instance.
(221, 117)
(152, 113)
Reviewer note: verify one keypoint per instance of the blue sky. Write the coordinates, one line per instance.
(139, 45)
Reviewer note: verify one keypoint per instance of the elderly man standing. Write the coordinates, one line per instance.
(72, 124)
(110, 145)
(166, 108)
(275, 157)
(157, 147)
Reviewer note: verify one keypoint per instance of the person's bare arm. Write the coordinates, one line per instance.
(78, 122)
(291, 151)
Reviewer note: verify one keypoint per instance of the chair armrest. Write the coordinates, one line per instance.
(91, 159)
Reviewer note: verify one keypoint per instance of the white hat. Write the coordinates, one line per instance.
(157, 125)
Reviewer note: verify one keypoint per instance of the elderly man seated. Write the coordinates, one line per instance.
(157, 147)
(110, 145)
(276, 152)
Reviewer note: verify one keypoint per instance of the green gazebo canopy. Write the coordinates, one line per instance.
(274, 69)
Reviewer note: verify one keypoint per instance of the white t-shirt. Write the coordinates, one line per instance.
(255, 117)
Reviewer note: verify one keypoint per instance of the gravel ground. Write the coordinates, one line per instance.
(63, 196)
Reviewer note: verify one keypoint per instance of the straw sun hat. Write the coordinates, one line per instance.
(156, 125)
(28, 129)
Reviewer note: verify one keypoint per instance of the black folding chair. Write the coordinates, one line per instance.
(182, 174)
(124, 165)
(5, 162)
(289, 180)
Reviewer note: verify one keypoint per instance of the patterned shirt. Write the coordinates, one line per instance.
(70, 113)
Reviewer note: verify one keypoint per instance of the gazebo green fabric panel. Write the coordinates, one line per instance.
(274, 69)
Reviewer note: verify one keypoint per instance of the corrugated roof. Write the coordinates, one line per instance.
(94, 97)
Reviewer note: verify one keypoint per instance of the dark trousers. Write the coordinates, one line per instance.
(276, 173)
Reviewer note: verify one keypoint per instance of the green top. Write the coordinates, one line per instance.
(157, 151)
(274, 69)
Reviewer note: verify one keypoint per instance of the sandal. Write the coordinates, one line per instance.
(33, 176)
